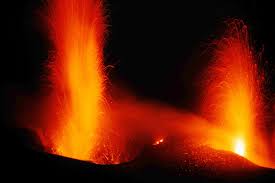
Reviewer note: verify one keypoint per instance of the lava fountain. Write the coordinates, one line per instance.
(76, 29)
(233, 97)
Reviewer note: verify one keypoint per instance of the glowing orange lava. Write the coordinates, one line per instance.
(233, 96)
(239, 147)
(158, 142)
(77, 30)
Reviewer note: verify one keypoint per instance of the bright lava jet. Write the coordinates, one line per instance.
(76, 29)
(239, 147)
(233, 98)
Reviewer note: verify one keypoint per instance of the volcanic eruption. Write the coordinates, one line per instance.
(234, 95)
(80, 122)
(77, 30)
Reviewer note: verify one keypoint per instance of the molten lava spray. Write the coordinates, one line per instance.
(233, 96)
(77, 29)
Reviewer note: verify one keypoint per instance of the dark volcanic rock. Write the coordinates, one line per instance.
(180, 160)
(172, 161)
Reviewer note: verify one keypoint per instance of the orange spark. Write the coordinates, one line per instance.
(158, 142)
(77, 28)
(233, 95)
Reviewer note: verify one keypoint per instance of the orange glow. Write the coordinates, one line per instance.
(158, 142)
(233, 96)
(77, 29)
(239, 147)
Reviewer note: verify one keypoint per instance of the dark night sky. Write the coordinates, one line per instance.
(154, 45)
